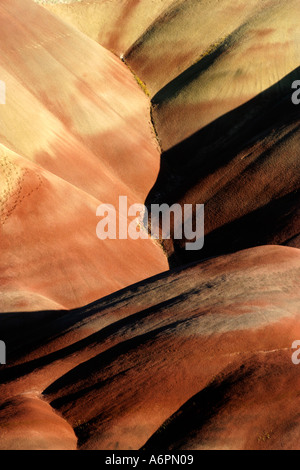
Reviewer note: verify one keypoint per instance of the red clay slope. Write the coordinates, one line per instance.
(221, 331)
(72, 106)
(28, 423)
(74, 133)
(50, 254)
(252, 405)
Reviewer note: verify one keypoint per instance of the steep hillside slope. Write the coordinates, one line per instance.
(197, 357)
(256, 51)
(72, 106)
(185, 33)
(29, 423)
(74, 133)
(221, 108)
(221, 330)
(50, 254)
(245, 168)
(115, 24)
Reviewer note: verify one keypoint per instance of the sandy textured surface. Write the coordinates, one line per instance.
(118, 369)
(260, 50)
(115, 24)
(106, 349)
(72, 106)
(245, 168)
(75, 133)
(27, 422)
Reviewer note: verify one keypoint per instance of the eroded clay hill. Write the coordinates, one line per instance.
(115, 24)
(245, 168)
(225, 120)
(197, 358)
(221, 107)
(75, 133)
(203, 59)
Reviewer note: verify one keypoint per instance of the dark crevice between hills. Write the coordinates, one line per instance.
(250, 230)
(187, 422)
(185, 168)
(20, 370)
(174, 87)
(26, 331)
(101, 362)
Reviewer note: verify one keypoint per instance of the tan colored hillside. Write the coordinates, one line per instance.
(115, 24)
(71, 139)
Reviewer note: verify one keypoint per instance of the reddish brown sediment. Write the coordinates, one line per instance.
(125, 365)
(251, 405)
(75, 133)
(72, 106)
(105, 348)
(244, 167)
(50, 254)
(27, 422)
